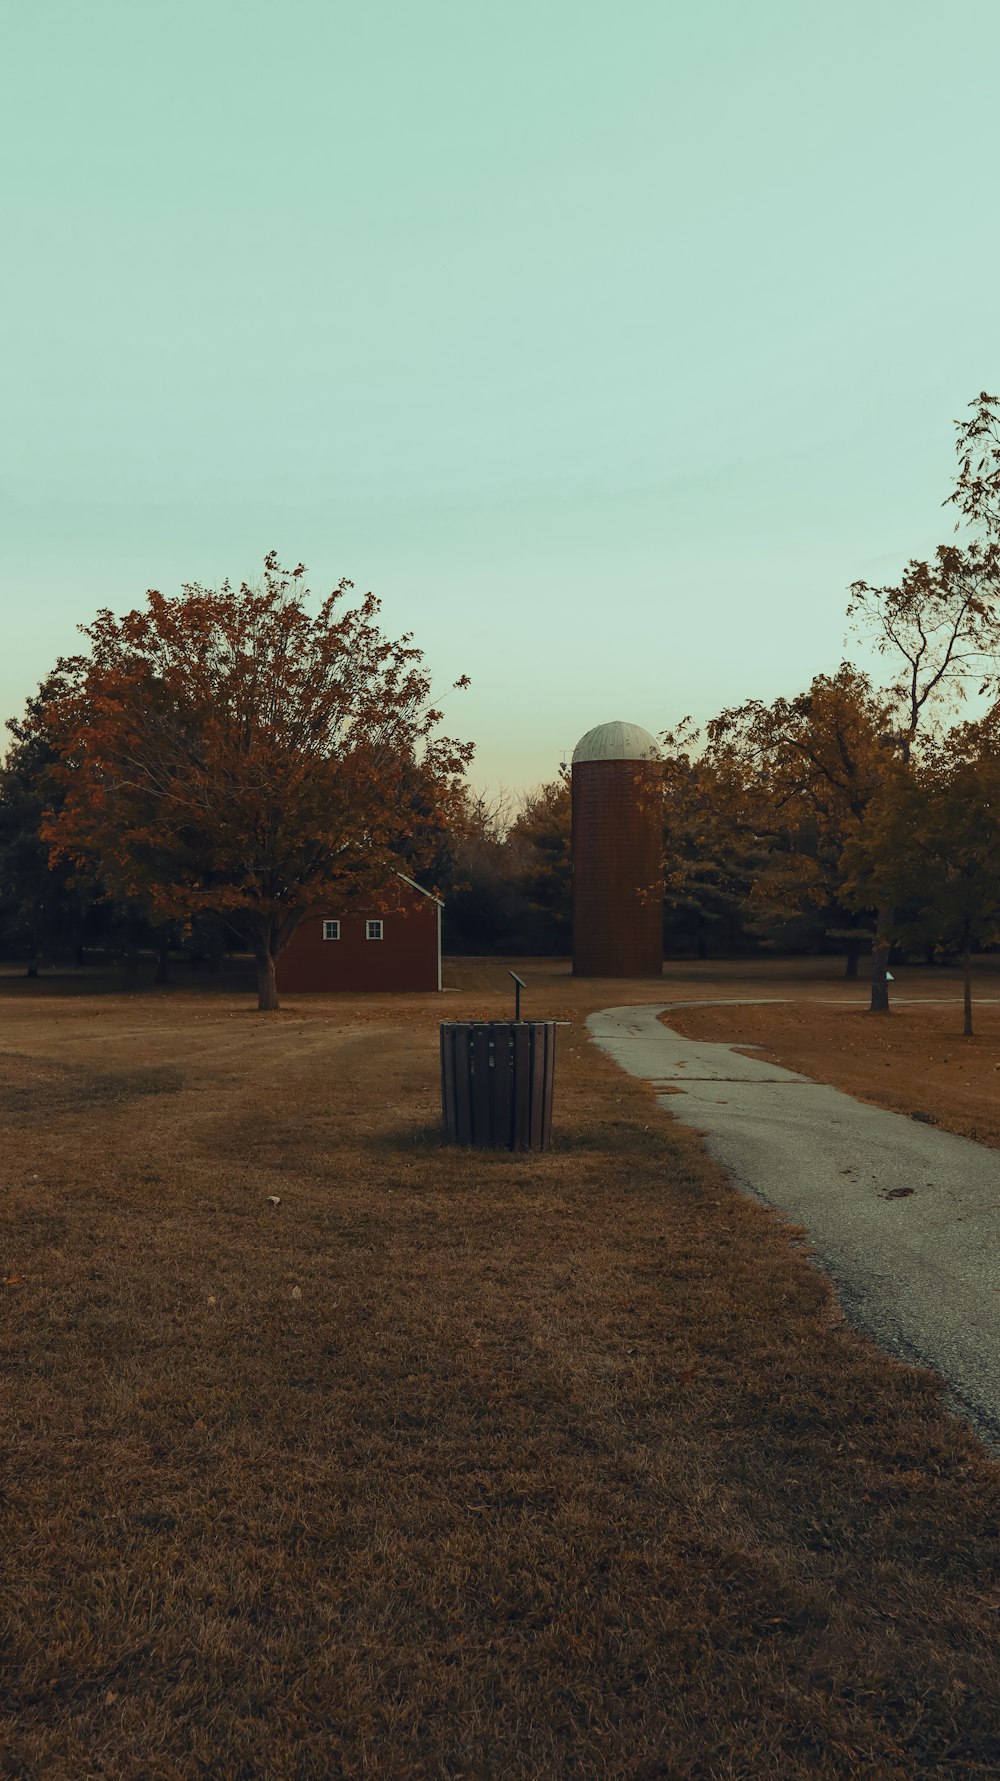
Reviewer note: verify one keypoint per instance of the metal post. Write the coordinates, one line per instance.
(519, 986)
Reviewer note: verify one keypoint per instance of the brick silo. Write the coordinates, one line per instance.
(617, 853)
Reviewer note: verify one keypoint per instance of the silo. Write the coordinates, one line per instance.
(617, 853)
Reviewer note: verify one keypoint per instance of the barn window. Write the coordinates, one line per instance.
(373, 930)
(331, 930)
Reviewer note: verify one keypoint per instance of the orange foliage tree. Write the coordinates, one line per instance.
(940, 626)
(539, 845)
(714, 840)
(931, 853)
(227, 752)
(757, 820)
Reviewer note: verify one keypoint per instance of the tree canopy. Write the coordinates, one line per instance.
(236, 756)
(226, 751)
(930, 852)
(940, 625)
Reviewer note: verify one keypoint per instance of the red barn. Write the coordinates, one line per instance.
(391, 941)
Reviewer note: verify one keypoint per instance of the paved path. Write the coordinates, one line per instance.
(903, 1217)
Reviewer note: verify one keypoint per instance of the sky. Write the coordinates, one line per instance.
(606, 343)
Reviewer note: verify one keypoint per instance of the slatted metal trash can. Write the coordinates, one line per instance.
(497, 1079)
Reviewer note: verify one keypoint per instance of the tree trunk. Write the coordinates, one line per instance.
(880, 964)
(966, 994)
(162, 965)
(851, 962)
(33, 966)
(267, 992)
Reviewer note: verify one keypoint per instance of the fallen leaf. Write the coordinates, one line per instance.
(13, 1279)
(274, 1199)
(296, 1292)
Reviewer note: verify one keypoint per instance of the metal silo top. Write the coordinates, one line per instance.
(617, 742)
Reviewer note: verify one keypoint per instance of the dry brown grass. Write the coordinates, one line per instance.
(449, 1465)
(913, 1060)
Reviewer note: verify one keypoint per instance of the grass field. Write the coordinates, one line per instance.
(446, 1465)
(913, 1060)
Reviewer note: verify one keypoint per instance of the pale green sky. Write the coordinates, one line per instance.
(607, 343)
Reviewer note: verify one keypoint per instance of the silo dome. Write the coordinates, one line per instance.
(617, 742)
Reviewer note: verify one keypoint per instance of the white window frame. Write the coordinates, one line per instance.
(335, 925)
(369, 925)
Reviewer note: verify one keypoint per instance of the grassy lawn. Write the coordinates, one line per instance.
(445, 1465)
(913, 1060)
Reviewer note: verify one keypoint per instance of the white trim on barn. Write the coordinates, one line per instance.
(420, 888)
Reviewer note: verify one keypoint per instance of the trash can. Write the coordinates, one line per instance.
(496, 1083)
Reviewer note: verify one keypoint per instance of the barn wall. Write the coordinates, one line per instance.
(617, 852)
(405, 959)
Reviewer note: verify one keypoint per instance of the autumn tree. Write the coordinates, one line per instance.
(781, 789)
(46, 911)
(940, 626)
(226, 752)
(977, 486)
(712, 852)
(506, 872)
(482, 905)
(930, 855)
(539, 844)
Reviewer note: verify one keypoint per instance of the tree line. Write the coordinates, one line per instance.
(217, 765)
(220, 762)
(850, 815)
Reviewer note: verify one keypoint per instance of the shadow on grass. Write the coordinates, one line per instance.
(30, 1087)
(415, 1135)
(601, 1138)
(236, 977)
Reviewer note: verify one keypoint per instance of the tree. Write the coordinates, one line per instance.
(795, 779)
(45, 911)
(941, 624)
(507, 870)
(482, 905)
(712, 852)
(540, 845)
(224, 752)
(977, 487)
(931, 853)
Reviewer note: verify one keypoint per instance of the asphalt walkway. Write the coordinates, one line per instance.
(903, 1217)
